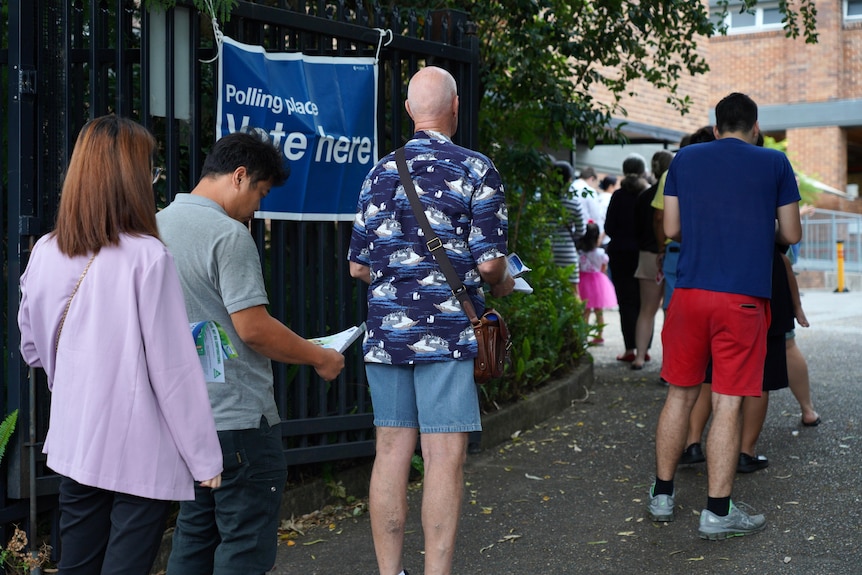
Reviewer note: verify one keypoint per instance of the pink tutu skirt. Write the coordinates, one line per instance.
(597, 291)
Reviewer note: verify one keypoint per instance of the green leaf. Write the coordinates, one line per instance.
(7, 428)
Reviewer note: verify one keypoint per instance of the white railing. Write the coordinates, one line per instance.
(821, 232)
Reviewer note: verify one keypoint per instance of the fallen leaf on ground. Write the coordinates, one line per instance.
(315, 542)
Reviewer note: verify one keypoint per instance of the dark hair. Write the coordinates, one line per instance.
(607, 182)
(702, 135)
(661, 162)
(735, 113)
(634, 165)
(587, 173)
(252, 149)
(565, 170)
(590, 240)
(108, 188)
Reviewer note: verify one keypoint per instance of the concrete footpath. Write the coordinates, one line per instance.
(568, 495)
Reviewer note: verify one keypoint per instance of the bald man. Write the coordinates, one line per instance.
(420, 345)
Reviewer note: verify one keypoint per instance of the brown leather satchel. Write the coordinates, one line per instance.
(492, 335)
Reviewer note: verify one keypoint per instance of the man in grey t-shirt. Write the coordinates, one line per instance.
(233, 530)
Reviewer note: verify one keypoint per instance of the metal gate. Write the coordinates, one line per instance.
(66, 61)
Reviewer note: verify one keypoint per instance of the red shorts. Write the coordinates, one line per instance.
(729, 328)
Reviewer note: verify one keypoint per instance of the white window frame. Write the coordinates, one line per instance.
(846, 10)
(758, 25)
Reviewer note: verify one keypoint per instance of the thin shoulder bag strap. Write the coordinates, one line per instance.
(69, 303)
(433, 243)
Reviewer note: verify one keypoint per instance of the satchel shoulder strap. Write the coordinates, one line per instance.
(433, 243)
(69, 303)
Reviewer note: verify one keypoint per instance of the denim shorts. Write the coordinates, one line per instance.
(438, 397)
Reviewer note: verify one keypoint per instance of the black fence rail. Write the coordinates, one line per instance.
(66, 61)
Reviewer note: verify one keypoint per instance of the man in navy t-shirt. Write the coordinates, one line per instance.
(722, 199)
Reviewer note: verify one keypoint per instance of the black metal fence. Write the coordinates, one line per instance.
(66, 61)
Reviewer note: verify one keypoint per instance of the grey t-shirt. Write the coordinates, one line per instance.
(220, 273)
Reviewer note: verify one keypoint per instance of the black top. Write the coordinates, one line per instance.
(643, 220)
(620, 220)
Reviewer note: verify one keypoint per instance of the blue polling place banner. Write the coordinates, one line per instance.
(320, 111)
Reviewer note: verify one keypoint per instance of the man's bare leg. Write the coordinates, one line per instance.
(672, 429)
(722, 443)
(442, 497)
(387, 497)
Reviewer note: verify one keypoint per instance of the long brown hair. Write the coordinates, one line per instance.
(108, 187)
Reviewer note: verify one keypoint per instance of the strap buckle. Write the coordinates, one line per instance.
(434, 244)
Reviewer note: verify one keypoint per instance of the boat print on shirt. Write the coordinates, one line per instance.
(397, 320)
(438, 218)
(476, 166)
(460, 186)
(435, 278)
(502, 213)
(405, 257)
(488, 256)
(376, 354)
(457, 246)
(451, 305)
(476, 234)
(467, 336)
(389, 228)
(486, 193)
(384, 290)
(430, 344)
(472, 277)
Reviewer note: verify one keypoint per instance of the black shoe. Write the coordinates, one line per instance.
(692, 454)
(473, 448)
(749, 464)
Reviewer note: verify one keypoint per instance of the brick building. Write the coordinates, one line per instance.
(808, 94)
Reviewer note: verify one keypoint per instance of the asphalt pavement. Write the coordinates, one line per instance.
(568, 496)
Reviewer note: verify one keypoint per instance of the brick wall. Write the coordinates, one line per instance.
(774, 69)
(645, 104)
(820, 153)
(851, 80)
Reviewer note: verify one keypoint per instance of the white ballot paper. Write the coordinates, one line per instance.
(341, 340)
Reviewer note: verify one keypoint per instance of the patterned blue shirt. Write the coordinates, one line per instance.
(412, 315)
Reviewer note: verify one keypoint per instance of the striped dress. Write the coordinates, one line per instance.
(563, 240)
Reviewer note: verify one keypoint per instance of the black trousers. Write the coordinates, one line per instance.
(623, 265)
(105, 532)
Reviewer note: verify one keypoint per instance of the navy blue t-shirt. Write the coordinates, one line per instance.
(729, 192)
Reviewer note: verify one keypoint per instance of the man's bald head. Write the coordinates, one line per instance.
(432, 99)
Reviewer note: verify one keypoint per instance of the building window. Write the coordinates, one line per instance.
(765, 16)
(853, 9)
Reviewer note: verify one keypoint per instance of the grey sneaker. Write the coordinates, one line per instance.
(660, 506)
(736, 524)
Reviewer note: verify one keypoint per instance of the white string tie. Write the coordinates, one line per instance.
(380, 43)
(217, 33)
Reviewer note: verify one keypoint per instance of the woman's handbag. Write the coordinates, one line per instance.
(492, 335)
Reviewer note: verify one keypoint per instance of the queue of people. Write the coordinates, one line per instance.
(216, 447)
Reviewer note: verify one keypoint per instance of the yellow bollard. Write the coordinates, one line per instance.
(839, 247)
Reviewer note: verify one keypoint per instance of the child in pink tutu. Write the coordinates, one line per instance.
(595, 288)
